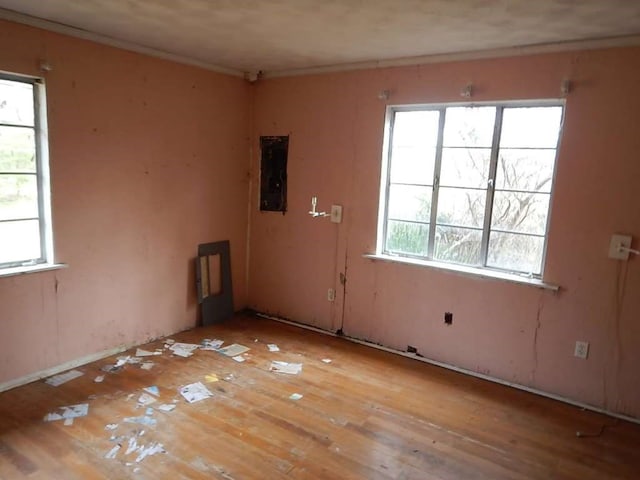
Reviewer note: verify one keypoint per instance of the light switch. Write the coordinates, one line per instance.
(336, 213)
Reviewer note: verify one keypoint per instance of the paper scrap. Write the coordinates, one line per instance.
(149, 411)
(153, 390)
(234, 350)
(212, 377)
(99, 379)
(133, 445)
(326, 360)
(273, 347)
(146, 399)
(167, 407)
(170, 341)
(150, 450)
(147, 365)
(239, 358)
(295, 396)
(68, 422)
(111, 426)
(195, 392)
(146, 353)
(72, 411)
(141, 420)
(183, 349)
(214, 344)
(112, 453)
(284, 367)
(57, 380)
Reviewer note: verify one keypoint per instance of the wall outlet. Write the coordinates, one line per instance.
(336, 213)
(618, 241)
(331, 294)
(581, 350)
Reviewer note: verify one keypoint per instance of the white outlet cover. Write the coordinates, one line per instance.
(336, 213)
(581, 350)
(618, 241)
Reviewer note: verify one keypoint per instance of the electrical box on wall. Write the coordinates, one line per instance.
(273, 173)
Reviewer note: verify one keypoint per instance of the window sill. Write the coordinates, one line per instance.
(467, 271)
(42, 267)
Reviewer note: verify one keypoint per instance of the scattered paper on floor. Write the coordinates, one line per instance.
(284, 367)
(113, 452)
(57, 380)
(234, 350)
(195, 392)
(239, 358)
(153, 390)
(326, 360)
(146, 353)
(146, 399)
(150, 450)
(99, 379)
(183, 349)
(68, 422)
(111, 426)
(145, 420)
(212, 377)
(273, 347)
(214, 344)
(71, 411)
(295, 396)
(147, 365)
(167, 407)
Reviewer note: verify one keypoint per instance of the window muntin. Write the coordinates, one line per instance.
(471, 184)
(25, 235)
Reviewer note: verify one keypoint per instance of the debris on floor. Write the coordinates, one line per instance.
(111, 426)
(150, 450)
(113, 452)
(212, 377)
(71, 411)
(57, 380)
(239, 358)
(144, 420)
(234, 350)
(295, 396)
(99, 379)
(208, 344)
(183, 349)
(68, 422)
(146, 399)
(153, 390)
(326, 360)
(146, 353)
(284, 367)
(273, 347)
(167, 407)
(147, 365)
(195, 392)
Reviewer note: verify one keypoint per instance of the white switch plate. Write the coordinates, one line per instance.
(582, 350)
(618, 241)
(336, 213)
(331, 295)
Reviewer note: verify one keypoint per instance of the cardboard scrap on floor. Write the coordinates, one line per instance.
(71, 411)
(214, 344)
(195, 392)
(239, 358)
(273, 347)
(183, 349)
(57, 380)
(284, 367)
(234, 350)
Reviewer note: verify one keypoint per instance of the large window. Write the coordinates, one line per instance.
(25, 227)
(470, 184)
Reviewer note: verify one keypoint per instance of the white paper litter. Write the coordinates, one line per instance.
(214, 344)
(147, 365)
(183, 349)
(57, 380)
(150, 450)
(113, 452)
(167, 407)
(146, 353)
(239, 358)
(68, 422)
(71, 411)
(153, 390)
(326, 360)
(284, 367)
(146, 399)
(99, 379)
(133, 445)
(195, 392)
(234, 350)
(295, 396)
(273, 347)
(141, 420)
(111, 426)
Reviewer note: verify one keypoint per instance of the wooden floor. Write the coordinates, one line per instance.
(368, 415)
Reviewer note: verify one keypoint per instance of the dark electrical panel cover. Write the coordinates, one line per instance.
(273, 173)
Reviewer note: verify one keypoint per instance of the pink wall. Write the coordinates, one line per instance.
(148, 159)
(514, 332)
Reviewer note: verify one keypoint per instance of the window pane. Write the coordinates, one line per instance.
(520, 212)
(17, 150)
(465, 167)
(18, 196)
(413, 129)
(519, 253)
(409, 203)
(19, 241)
(530, 170)
(536, 127)
(458, 206)
(413, 165)
(16, 102)
(469, 126)
(403, 237)
(458, 245)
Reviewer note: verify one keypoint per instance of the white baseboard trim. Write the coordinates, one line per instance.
(32, 377)
(535, 391)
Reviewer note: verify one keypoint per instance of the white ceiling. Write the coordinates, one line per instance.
(279, 35)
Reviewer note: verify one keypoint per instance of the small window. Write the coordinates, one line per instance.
(25, 226)
(470, 184)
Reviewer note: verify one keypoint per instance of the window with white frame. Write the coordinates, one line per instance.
(25, 226)
(470, 184)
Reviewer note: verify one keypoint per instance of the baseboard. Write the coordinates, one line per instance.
(436, 363)
(32, 377)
